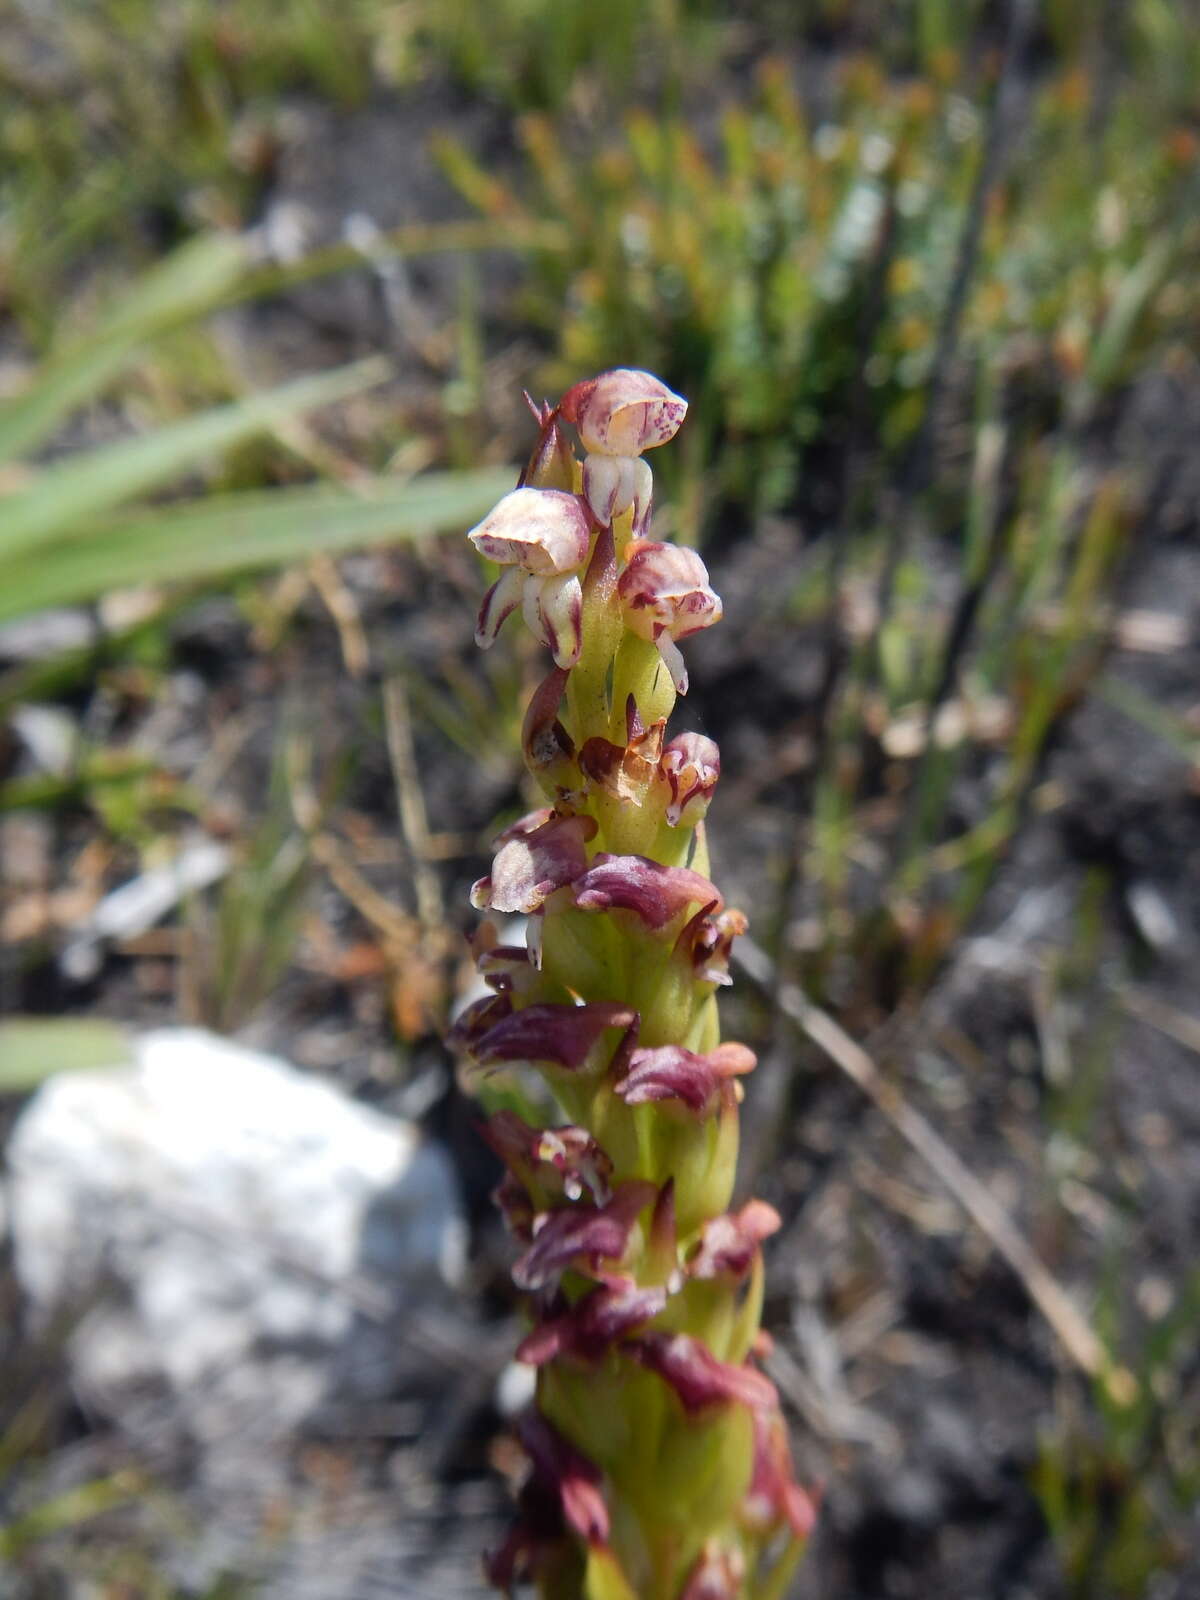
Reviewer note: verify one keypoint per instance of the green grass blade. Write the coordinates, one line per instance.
(237, 533)
(1134, 293)
(33, 1049)
(67, 495)
(186, 285)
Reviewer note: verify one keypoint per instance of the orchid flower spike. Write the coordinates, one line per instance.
(658, 1454)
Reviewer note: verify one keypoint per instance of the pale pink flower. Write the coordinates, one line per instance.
(542, 537)
(623, 412)
(620, 414)
(666, 596)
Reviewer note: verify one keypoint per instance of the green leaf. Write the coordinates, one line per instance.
(67, 1511)
(67, 495)
(241, 532)
(33, 1049)
(189, 283)
(1134, 293)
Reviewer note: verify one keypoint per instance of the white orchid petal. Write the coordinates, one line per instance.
(623, 412)
(501, 600)
(531, 608)
(542, 530)
(641, 496)
(561, 606)
(602, 487)
(673, 661)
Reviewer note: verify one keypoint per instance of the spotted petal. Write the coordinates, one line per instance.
(623, 412)
(543, 531)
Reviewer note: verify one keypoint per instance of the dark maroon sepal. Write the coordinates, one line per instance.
(655, 893)
(475, 1021)
(559, 1035)
(576, 1479)
(697, 1377)
(583, 1237)
(591, 1326)
(669, 1072)
(562, 1495)
(729, 1243)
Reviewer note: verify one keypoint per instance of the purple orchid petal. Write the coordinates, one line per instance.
(531, 864)
(729, 1244)
(582, 1236)
(576, 1479)
(476, 1020)
(669, 1072)
(498, 604)
(655, 893)
(560, 1035)
(567, 1156)
(697, 1377)
(563, 1491)
(578, 1160)
(595, 1323)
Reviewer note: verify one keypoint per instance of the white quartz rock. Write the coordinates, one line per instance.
(226, 1232)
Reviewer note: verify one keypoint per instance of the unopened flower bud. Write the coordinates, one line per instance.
(551, 464)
